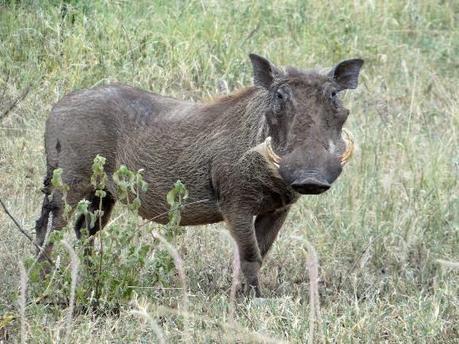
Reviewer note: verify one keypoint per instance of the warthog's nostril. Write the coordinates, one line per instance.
(310, 185)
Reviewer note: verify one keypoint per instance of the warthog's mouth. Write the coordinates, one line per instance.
(344, 158)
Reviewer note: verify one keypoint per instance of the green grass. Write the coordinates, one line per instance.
(378, 232)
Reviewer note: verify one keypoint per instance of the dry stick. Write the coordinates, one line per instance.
(22, 300)
(114, 220)
(74, 263)
(101, 256)
(178, 262)
(24, 232)
(15, 102)
(314, 304)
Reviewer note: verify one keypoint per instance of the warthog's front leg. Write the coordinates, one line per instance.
(267, 226)
(243, 231)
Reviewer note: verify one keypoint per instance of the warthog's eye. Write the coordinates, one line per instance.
(334, 98)
(280, 98)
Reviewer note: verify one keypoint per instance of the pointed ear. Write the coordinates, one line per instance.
(346, 73)
(264, 72)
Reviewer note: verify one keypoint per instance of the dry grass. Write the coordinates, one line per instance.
(387, 233)
(314, 299)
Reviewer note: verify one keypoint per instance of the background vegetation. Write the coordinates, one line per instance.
(381, 234)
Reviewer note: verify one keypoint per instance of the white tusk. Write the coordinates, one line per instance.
(272, 155)
(349, 140)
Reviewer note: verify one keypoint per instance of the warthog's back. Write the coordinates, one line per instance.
(141, 130)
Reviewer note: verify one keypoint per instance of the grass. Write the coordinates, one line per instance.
(380, 234)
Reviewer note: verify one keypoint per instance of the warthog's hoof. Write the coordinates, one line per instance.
(247, 291)
(253, 291)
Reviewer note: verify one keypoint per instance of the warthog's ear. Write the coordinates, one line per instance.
(264, 72)
(346, 73)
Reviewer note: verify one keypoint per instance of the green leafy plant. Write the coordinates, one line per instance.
(129, 185)
(117, 268)
(58, 184)
(175, 198)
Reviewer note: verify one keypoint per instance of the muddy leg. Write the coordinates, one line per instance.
(83, 222)
(54, 204)
(41, 225)
(243, 232)
(267, 227)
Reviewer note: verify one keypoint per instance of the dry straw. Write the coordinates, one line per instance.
(143, 312)
(178, 262)
(314, 301)
(74, 263)
(448, 264)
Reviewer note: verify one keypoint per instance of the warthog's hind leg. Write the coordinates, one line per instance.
(54, 204)
(41, 225)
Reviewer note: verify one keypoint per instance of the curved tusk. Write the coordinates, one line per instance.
(271, 154)
(349, 139)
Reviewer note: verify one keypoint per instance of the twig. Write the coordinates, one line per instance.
(101, 256)
(15, 102)
(24, 232)
(22, 300)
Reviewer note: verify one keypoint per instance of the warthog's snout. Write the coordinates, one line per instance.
(311, 170)
(312, 183)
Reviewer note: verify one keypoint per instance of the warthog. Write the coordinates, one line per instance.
(245, 158)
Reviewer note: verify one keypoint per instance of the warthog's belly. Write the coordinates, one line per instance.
(192, 213)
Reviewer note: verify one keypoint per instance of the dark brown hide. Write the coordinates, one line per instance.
(216, 149)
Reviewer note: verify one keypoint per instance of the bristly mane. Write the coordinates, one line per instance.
(231, 98)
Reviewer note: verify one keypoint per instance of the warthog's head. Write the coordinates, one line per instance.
(307, 141)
